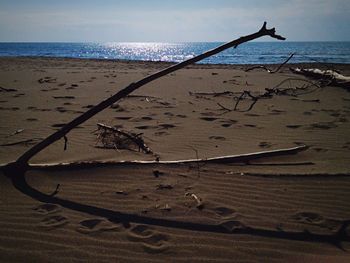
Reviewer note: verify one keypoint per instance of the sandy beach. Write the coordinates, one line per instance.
(292, 208)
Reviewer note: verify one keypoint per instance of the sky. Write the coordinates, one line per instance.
(170, 20)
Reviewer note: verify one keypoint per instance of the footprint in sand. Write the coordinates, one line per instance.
(151, 240)
(61, 109)
(342, 120)
(208, 118)
(161, 133)
(53, 221)
(118, 108)
(123, 118)
(145, 127)
(32, 119)
(265, 144)
(323, 125)
(319, 149)
(146, 118)
(45, 209)
(307, 113)
(219, 138)
(252, 115)
(88, 106)
(208, 113)
(308, 217)
(316, 219)
(228, 123)
(277, 112)
(250, 125)
(232, 225)
(58, 125)
(293, 126)
(64, 97)
(346, 145)
(166, 126)
(224, 212)
(47, 80)
(95, 225)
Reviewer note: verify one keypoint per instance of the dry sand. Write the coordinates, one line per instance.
(279, 209)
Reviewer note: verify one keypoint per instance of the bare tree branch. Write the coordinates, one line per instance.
(22, 161)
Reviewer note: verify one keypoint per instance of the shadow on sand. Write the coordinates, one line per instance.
(231, 227)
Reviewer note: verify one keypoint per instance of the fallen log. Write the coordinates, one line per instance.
(334, 78)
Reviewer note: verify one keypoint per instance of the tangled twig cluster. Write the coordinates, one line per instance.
(113, 138)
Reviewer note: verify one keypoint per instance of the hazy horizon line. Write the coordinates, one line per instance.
(167, 42)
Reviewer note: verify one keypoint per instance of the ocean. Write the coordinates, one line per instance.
(248, 53)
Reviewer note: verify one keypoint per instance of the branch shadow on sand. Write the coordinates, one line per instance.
(230, 227)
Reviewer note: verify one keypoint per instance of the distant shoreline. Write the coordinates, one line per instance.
(251, 53)
(165, 63)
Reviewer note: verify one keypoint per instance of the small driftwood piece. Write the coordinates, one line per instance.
(15, 132)
(112, 137)
(332, 77)
(215, 94)
(269, 70)
(21, 164)
(197, 199)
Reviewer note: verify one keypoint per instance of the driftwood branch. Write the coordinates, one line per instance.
(240, 158)
(269, 70)
(332, 77)
(22, 161)
(269, 93)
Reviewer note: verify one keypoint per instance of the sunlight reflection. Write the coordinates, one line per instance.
(148, 51)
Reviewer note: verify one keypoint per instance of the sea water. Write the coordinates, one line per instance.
(247, 53)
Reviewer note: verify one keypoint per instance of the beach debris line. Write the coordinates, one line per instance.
(113, 138)
(329, 77)
(21, 164)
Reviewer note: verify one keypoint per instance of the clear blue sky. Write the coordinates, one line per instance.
(170, 20)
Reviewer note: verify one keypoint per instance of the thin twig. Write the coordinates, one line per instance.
(269, 70)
